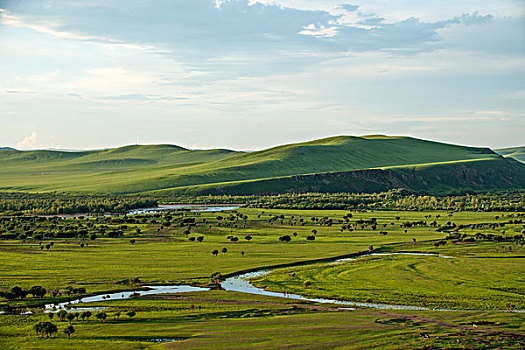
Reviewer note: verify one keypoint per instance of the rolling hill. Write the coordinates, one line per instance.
(517, 153)
(335, 164)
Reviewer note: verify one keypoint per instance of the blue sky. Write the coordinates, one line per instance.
(257, 73)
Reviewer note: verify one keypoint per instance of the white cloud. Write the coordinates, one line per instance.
(28, 141)
(319, 31)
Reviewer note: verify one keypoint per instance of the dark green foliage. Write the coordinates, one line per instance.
(70, 204)
(45, 329)
(69, 330)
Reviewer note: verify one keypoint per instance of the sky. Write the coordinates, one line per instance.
(251, 74)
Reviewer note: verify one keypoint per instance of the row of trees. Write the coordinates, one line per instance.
(401, 199)
(42, 204)
(392, 200)
(46, 329)
(20, 293)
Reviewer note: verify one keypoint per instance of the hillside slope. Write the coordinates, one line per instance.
(136, 169)
(439, 178)
(517, 153)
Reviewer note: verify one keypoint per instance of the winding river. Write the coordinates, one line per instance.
(241, 283)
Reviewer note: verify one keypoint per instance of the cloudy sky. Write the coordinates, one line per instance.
(249, 74)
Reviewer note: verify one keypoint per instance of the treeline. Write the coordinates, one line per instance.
(50, 204)
(393, 200)
(13, 203)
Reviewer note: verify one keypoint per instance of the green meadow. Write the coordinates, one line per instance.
(162, 255)
(484, 277)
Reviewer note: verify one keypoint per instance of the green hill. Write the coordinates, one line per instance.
(517, 153)
(137, 169)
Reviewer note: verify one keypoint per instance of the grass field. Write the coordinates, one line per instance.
(460, 283)
(226, 320)
(490, 276)
(168, 256)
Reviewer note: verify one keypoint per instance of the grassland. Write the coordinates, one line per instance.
(460, 283)
(138, 169)
(168, 256)
(221, 319)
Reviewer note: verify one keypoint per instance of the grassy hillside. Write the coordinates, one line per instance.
(135, 169)
(517, 153)
(438, 178)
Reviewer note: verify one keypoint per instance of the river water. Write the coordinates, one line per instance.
(191, 207)
(240, 283)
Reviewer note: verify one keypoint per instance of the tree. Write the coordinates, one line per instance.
(285, 238)
(116, 315)
(18, 292)
(45, 329)
(85, 314)
(70, 317)
(37, 291)
(39, 328)
(69, 330)
(306, 284)
(130, 314)
(215, 252)
(62, 315)
(102, 316)
(248, 238)
(132, 241)
(224, 250)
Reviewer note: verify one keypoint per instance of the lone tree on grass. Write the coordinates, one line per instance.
(224, 250)
(69, 330)
(215, 252)
(130, 314)
(285, 238)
